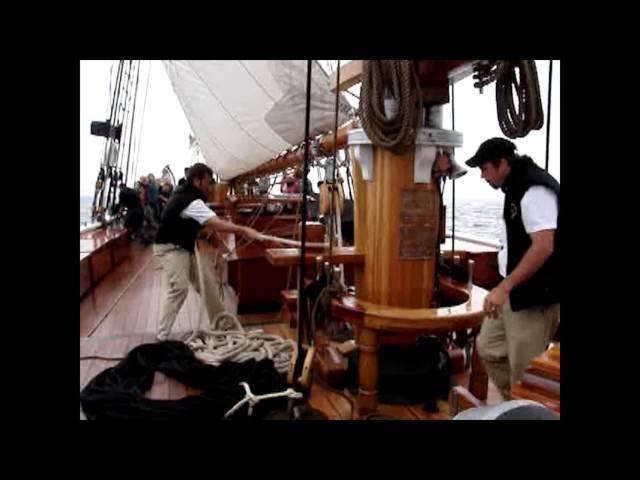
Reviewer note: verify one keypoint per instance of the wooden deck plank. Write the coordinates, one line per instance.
(124, 312)
(319, 400)
(95, 305)
(400, 412)
(346, 411)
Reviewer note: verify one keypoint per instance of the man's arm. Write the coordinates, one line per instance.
(219, 225)
(534, 258)
(198, 211)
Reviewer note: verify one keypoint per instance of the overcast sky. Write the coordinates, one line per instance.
(165, 135)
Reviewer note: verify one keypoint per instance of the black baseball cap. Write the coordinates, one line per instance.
(490, 150)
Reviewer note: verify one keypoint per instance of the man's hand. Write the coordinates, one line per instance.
(540, 250)
(494, 302)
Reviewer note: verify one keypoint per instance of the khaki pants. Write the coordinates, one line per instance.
(181, 270)
(508, 344)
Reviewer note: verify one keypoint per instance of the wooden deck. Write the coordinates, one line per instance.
(122, 312)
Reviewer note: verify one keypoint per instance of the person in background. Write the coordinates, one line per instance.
(129, 200)
(154, 191)
(183, 180)
(290, 184)
(166, 189)
(143, 191)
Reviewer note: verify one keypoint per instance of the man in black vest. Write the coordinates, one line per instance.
(523, 311)
(134, 217)
(183, 217)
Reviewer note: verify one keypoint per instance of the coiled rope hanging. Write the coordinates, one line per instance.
(396, 79)
(529, 115)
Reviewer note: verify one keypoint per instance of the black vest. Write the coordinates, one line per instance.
(176, 230)
(129, 198)
(544, 287)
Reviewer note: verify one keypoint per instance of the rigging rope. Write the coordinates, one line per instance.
(116, 92)
(144, 109)
(453, 180)
(98, 196)
(133, 117)
(546, 162)
(510, 75)
(332, 189)
(528, 116)
(302, 316)
(397, 80)
(120, 114)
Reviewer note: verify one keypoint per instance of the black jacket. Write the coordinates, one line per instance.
(544, 287)
(176, 230)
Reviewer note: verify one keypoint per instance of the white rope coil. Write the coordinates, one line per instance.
(224, 339)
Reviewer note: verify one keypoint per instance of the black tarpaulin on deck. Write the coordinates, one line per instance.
(118, 392)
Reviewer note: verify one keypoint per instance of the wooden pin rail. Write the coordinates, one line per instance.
(290, 257)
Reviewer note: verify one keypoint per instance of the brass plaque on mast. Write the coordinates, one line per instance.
(418, 224)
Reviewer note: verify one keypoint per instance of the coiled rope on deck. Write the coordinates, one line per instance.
(224, 339)
(397, 80)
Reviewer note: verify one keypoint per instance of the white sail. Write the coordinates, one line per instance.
(245, 112)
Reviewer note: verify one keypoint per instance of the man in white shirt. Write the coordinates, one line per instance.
(523, 311)
(183, 217)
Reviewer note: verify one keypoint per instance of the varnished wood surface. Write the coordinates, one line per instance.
(350, 75)
(485, 270)
(541, 380)
(521, 392)
(381, 317)
(129, 300)
(288, 257)
(85, 274)
(94, 240)
(548, 364)
(101, 264)
(100, 251)
(389, 277)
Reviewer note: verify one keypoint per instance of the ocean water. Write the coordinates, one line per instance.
(479, 218)
(85, 209)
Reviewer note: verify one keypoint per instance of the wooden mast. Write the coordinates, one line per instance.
(397, 221)
(393, 216)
